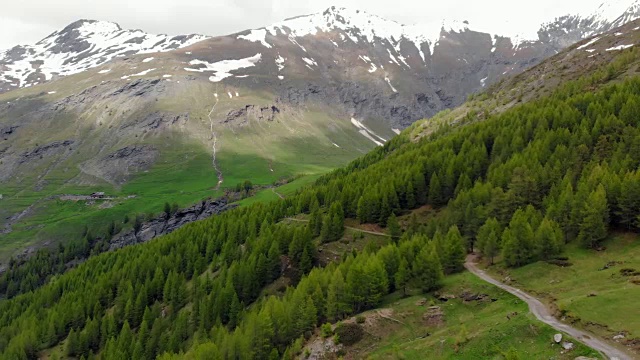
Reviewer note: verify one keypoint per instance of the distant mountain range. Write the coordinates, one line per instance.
(438, 65)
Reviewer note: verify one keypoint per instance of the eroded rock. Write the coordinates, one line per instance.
(161, 226)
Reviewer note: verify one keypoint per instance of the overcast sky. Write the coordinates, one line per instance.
(27, 21)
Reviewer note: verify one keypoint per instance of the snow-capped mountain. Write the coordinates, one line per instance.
(382, 69)
(82, 45)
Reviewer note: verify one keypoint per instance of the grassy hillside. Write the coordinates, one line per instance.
(594, 289)
(178, 168)
(495, 327)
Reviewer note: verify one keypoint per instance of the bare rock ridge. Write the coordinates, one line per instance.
(163, 225)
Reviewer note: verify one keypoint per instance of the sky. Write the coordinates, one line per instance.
(27, 21)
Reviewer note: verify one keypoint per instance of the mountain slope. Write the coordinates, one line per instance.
(435, 66)
(298, 97)
(533, 176)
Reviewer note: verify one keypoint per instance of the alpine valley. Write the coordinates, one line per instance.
(148, 119)
(318, 189)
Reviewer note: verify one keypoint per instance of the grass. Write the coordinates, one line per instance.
(469, 330)
(285, 190)
(296, 142)
(600, 300)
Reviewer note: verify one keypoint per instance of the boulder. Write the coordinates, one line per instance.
(557, 338)
(567, 345)
(618, 337)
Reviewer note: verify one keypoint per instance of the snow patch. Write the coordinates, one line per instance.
(258, 35)
(483, 81)
(310, 61)
(143, 73)
(336, 145)
(373, 68)
(389, 82)
(280, 77)
(592, 41)
(104, 71)
(280, 62)
(397, 131)
(393, 58)
(366, 132)
(147, 59)
(167, 76)
(223, 68)
(51, 92)
(619, 47)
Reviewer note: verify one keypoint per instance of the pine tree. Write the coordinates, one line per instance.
(454, 251)
(315, 222)
(362, 211)
(519, 248)
(337, 221)
(629, 200)
(125, 340)
(512, 249)
(427, 269)
(548, 238)
(436, 192)
(489, 238)
(234, 311)
(72, 343)
(402, 276)
(595, 218)
(325, 233)
(393, 227)
(385, 212)
(410, 196)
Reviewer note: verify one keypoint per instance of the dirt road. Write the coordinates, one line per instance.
(346, 227)
(543, 314)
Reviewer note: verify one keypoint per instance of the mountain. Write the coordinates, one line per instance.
(151, 119)
(431, 67)
(555, 170)
(80, 46)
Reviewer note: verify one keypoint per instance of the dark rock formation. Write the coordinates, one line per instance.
(161, 225)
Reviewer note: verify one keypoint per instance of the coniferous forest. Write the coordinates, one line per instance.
(518, 185)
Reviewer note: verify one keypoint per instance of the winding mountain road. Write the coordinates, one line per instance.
(543, 314)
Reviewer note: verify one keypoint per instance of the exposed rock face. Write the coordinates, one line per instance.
(156, 120)
(119, 166)
(44, 150)
(243, 115)
(161, 226)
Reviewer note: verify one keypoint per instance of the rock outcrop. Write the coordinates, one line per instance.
(162, 225)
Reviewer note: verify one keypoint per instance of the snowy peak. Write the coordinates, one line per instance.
(81, 45)
(571, 28)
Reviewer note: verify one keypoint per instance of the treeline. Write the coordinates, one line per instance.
(520, 185)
